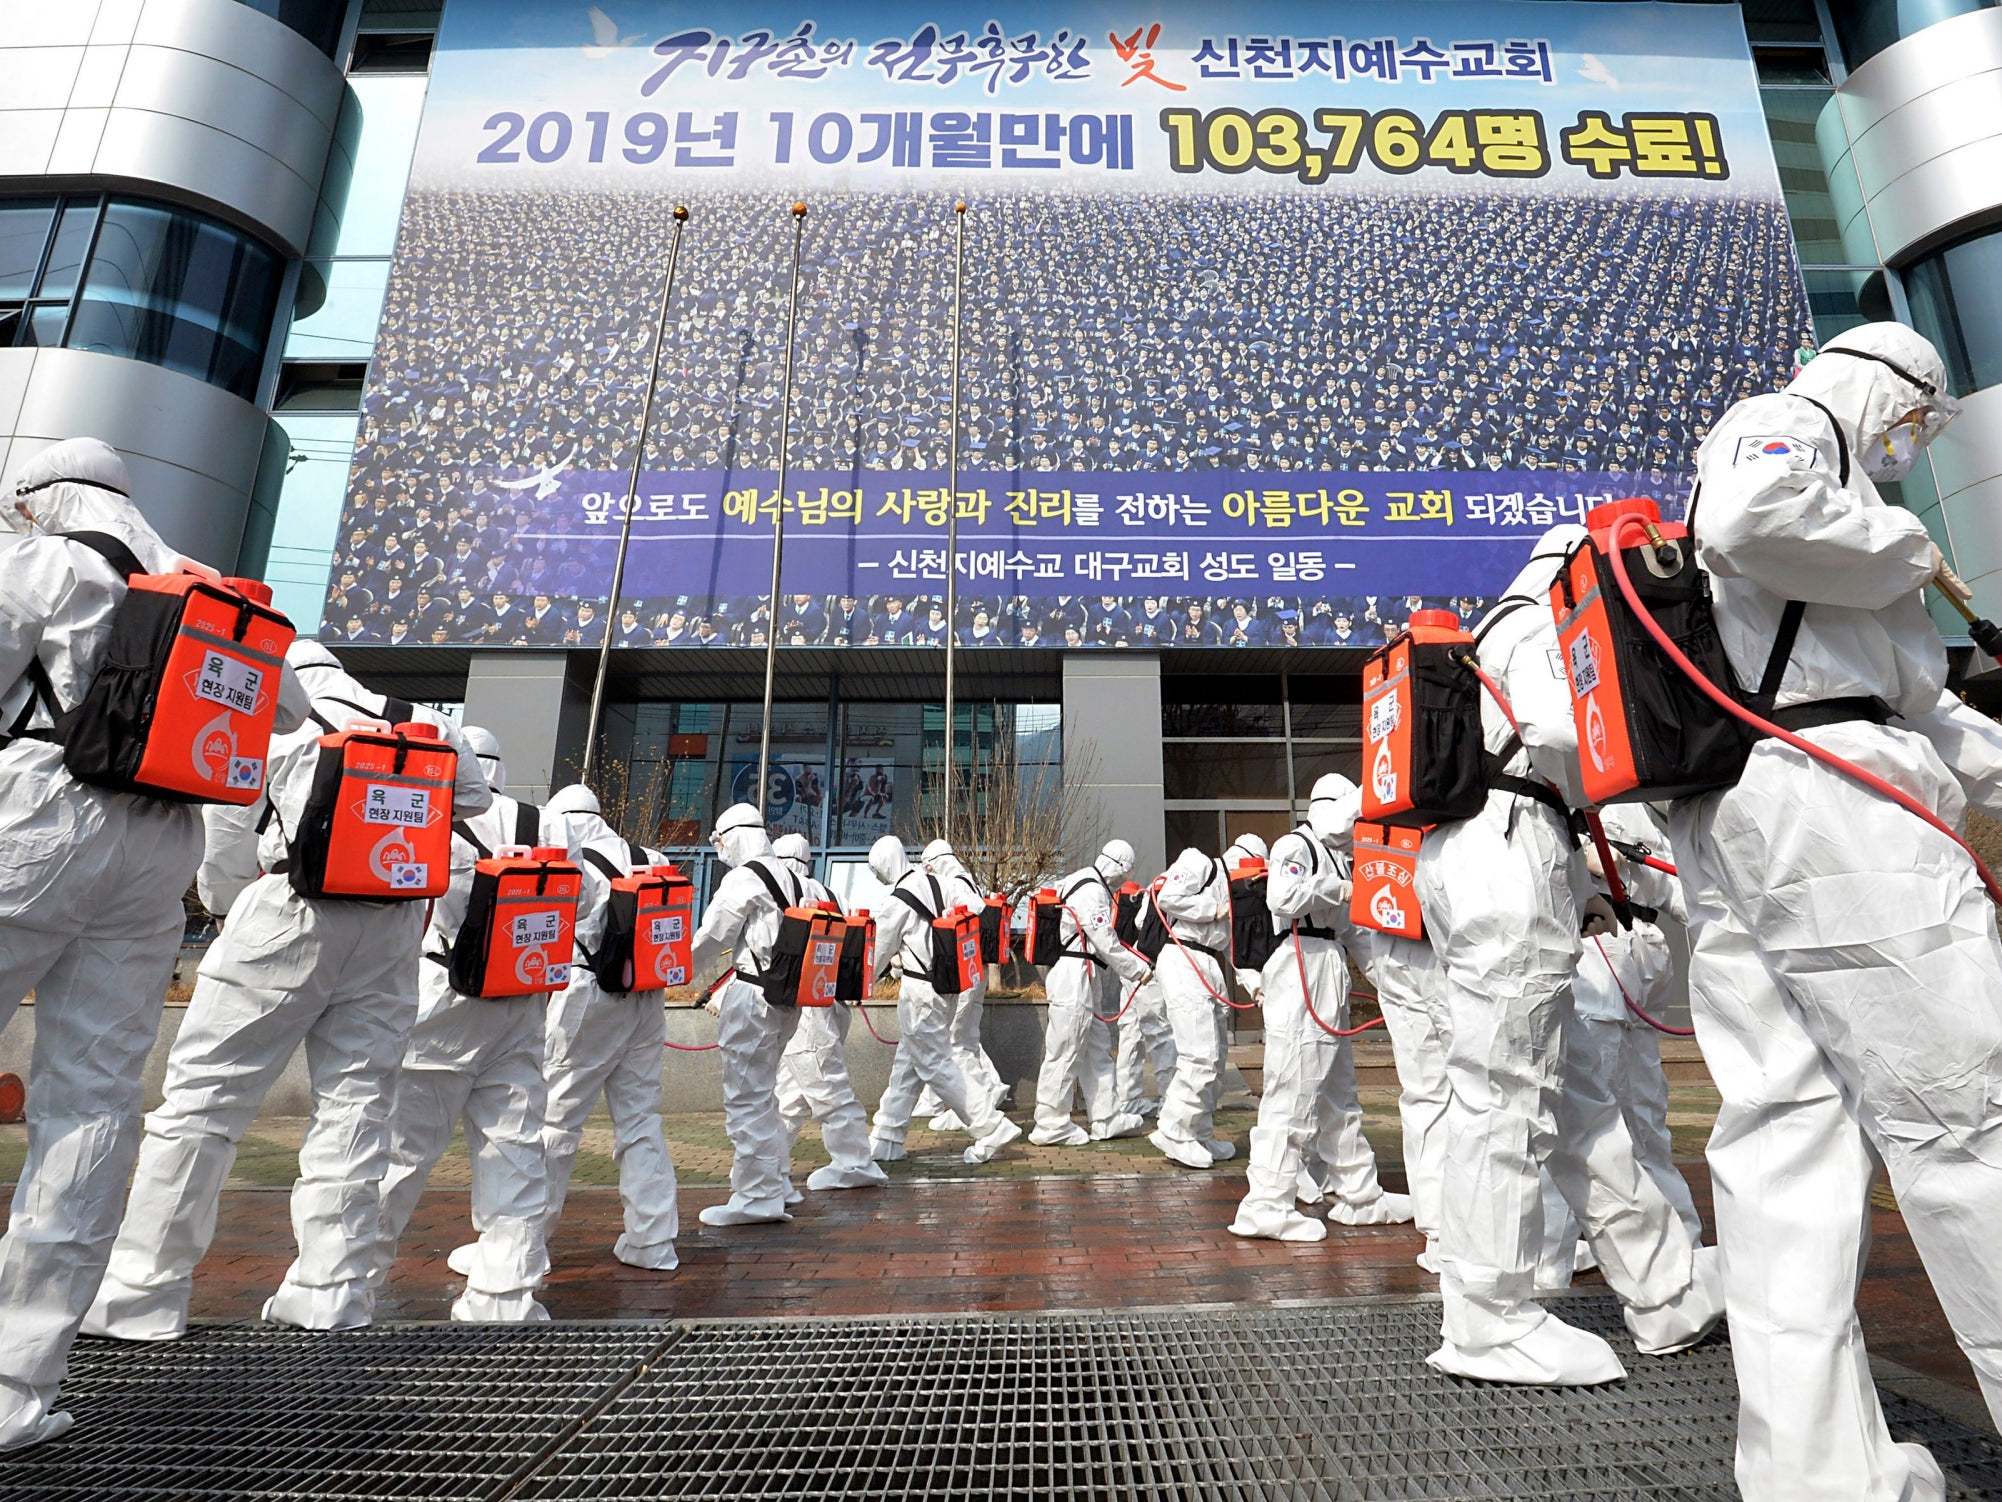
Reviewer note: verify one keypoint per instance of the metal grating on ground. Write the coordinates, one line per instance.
(1305, 1402)
(1317, 1401)
(249, 1410)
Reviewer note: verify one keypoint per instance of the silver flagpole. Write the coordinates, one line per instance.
(632, 502)
(779, 517)
(952, 521)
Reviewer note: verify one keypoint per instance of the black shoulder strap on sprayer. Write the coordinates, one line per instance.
(1788, 633)
(125, 563)
(527, 825)
(604, 863)
(771, 885)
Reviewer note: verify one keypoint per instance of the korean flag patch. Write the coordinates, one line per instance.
(1794, 453)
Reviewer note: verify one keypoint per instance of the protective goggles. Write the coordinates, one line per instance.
(1937, 410)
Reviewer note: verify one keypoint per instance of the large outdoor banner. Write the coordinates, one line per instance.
(1279, 319)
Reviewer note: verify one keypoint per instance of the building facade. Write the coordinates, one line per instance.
(227, 246)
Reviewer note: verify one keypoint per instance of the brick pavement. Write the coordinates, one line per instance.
(1112, 1225)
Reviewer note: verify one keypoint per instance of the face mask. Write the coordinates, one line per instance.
(1892, 457)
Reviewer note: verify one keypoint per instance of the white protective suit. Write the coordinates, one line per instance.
(1308, 1115)
(90, 916)
(975, 1066)
(1405, 973)
(741, 924)
(924, 1018)
(813, 1073)
(1846, 979)
(1077, 1046)
(332, 975)
(1194, 899)
(1501, 894)
(478, 1062)
(1606, 1039)
(1144, 1038)
(596, 1043)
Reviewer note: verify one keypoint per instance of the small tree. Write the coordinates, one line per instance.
(1017, 825)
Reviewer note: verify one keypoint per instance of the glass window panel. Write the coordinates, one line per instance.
(72, 244)
(45, 325)
(1790, 120)
(1311, 763)
(1866, 27)
(341, 325)
(178, 290)
(1342, 721)
(24, 235)
(1956, 297)
(379, 127)
(318, 21)
(1842, 299)
(1248, 771)
(319, 447)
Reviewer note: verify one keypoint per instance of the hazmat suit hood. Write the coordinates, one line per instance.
(1246, 847)
(795, 852)
(1533, 580)
(1332, 812)
(1872, 378)
(740, 835)
(887, 861)
(1114, 861)
(486, 749)
(942, 861)
(81, 485)
(572, 818)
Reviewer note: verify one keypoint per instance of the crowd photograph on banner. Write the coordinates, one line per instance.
(1045, 751)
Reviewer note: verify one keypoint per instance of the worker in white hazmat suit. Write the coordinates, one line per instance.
(1077, 1046)
(1143, 1039)
(479, 1062)
(331, 974)
(1503, 896)
(1306, 993)
(1405, 973)
(602, 1043)
(90, 912)
(741, 924)
(924, 1053)
(1846, 979)
(813, 1072)
(1194, 900)
(982, 1078)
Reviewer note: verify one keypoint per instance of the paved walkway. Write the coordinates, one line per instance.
(1109, 1226)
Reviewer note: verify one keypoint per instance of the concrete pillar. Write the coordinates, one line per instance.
(1112, 747)
(536, 703)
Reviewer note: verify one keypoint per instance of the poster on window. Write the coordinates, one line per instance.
(1279, 320)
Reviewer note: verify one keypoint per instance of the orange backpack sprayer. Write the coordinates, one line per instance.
(1384, 895)
(520, 926)
(858, 958)
(806, 958)
(1046, 918)
(378, 820)
(1422, 727)
(649, 931)
(1644, 730)
(182, 704)
(996, 941)
(1253, 939)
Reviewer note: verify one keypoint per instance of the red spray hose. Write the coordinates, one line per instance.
(1732, 707)
(1635, 1007)
(714, 986)
(863, 1007)
(1617, 887)
(1307, 994)
(1131, 996)
(1215, 995)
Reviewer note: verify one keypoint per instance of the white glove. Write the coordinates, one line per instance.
(1948, 581)
(1592, 862)
(1599, 917)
